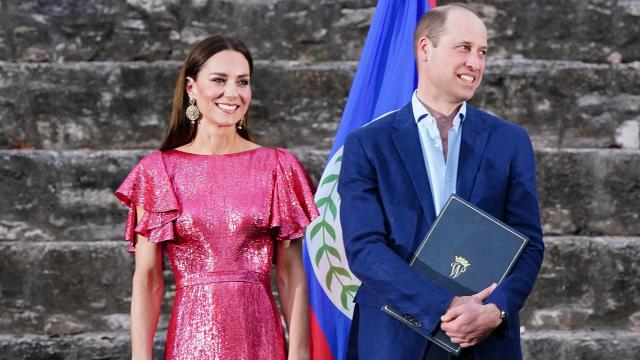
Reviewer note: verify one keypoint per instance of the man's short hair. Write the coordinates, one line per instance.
(432, 23)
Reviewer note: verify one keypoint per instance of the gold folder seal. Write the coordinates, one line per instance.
(458, 266)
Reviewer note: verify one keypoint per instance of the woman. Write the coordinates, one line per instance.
(224, 208)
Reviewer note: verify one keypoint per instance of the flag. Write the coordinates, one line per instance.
(384, 81)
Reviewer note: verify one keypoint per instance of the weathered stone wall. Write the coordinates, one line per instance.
(85, 92)
(115, 105)
(314, 30)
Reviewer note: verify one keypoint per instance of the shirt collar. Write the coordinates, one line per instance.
(421, 113)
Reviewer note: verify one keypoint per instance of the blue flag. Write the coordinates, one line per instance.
(385, 80)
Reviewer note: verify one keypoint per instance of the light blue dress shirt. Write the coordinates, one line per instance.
(442, 175)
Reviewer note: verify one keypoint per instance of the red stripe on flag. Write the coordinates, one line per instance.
(432, 3)
(318, 345)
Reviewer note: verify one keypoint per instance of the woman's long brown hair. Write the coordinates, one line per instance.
(180, 131)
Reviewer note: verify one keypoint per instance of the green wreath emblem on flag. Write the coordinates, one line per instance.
(324, 241)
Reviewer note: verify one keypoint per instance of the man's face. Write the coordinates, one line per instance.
(455, 67)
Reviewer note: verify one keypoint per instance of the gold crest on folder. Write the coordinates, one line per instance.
(458, 266)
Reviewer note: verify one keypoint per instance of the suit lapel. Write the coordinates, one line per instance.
(474, 141)
(407, 142)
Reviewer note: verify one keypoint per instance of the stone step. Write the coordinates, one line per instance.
(88, 345)
(50, 195)
(586, 283)
(79, 286)
(589, 192)
(65, 288)
(69, 195)
(584, 30)
(127, 105)
(566, 104)
(291, 29)
(542, 345)
(581, 345)
(166, 29)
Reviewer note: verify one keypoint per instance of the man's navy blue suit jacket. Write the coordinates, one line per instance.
(387, 209)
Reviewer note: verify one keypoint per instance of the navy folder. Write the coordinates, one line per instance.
(465, 251)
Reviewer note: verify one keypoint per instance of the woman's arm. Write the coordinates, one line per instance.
(146, 296)
(292, 287)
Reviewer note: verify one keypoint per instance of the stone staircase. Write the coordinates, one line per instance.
(86, 87)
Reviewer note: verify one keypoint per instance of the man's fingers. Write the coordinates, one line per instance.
(467, 344)
(453, 313)
(456, 328)
(464, 341)
(486, 292)
(456, 334)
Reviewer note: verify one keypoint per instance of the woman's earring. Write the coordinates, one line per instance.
(242, 123)
(193, 113)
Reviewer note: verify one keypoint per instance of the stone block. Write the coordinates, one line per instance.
(586, 283)
(298, 105)
(64, 288)
(67, 288)
(62, 196)
(69, 195)
(586, 345)
(581, 345)
(565, 104)
(114, 106)
(86, 105)
(90, 345)
(589, 191)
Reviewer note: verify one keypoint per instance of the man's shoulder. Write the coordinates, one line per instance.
(379, 126)
(491, 121)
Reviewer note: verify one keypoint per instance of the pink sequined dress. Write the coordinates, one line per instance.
(219, 216)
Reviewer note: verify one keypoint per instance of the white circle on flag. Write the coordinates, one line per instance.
(325, 245)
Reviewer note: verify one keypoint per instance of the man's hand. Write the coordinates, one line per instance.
(475, 298)
(468, 321)
(471, 323)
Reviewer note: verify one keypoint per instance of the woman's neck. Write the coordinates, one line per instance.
(215, 140)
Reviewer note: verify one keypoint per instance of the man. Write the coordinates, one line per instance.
(397, 174)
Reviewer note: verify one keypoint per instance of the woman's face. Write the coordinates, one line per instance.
(222, 88)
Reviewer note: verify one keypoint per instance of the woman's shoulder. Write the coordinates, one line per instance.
(285, 157)
(152, 159)
(149, 169)
(294, 204)
(274, 155)
(288, 166)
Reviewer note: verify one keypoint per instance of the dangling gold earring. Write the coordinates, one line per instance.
(242, 123)
(193, 113)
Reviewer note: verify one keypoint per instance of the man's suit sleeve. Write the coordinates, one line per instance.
(366, 244)
(522, 213)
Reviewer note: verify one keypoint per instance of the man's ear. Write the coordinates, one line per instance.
(423, 49)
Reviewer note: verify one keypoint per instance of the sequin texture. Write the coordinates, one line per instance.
(219, 216)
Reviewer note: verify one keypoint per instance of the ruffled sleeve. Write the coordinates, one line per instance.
(293, 207)
(148, 186)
